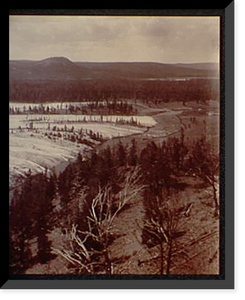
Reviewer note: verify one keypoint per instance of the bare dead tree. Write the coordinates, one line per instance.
(164, 225)
(80, 259)
(90, 249)
(167, 230)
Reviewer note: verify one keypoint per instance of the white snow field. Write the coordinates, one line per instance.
(30, 148)
(33, 151)
(107, 129)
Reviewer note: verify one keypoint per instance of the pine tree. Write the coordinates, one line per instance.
(133, 159)
(45, 188)
(108, 158)
(65, 183)
(19, 236)
(204, 163)
(21, 227)
(121, 155)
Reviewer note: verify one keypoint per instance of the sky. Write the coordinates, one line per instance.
(114, 38)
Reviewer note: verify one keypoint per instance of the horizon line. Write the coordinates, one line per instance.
(84, 61)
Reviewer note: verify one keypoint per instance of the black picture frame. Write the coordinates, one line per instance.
(227, 278)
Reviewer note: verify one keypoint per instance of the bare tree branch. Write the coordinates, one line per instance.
(103, 210)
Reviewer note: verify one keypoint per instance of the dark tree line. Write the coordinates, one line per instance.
(30, 220)
(69, 134)
(88, 194)
(103, 108)
(148, 91)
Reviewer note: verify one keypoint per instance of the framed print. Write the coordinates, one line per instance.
(120, 160)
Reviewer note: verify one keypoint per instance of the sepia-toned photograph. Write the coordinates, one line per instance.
(114, 145)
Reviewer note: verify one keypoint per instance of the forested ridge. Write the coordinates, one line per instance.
(147, 91)
(86, 198)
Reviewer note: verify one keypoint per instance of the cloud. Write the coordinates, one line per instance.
(118, 38)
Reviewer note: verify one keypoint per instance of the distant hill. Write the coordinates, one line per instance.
(61, 68)
(50, 68)
(56, 61)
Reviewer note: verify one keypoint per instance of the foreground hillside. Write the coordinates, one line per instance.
(122, 211)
